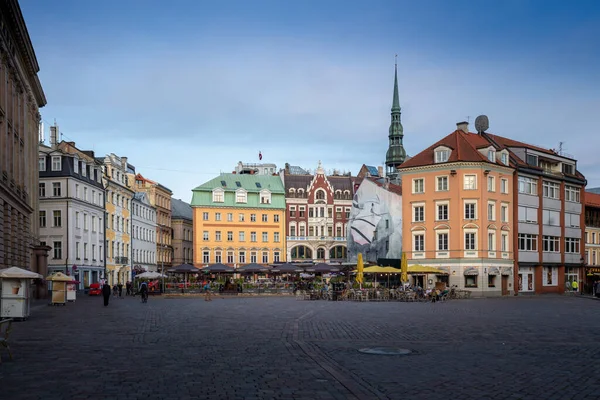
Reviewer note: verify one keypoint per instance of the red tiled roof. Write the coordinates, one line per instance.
(592, 199)
(506, 142)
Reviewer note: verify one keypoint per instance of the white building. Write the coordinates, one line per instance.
(71, 212)
(143, 234)
(256, 168)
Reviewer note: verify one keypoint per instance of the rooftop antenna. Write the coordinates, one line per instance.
(560, 147)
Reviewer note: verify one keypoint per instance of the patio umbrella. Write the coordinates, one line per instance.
(18, 273)
(218, 268)
(404, 268)
(323, 268)
(184, 269)
(252, 268)
(360, 266)
(287, 268)
(149, 275)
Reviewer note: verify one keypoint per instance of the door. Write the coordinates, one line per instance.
(504, 285)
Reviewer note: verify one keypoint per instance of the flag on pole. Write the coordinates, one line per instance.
(259, 155)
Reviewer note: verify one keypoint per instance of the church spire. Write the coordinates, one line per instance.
(396, 154)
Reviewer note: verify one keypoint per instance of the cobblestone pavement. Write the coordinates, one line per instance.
(264, 348)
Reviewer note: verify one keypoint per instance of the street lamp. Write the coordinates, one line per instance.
(162, 269)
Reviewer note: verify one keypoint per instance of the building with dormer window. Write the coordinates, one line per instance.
(239, 219)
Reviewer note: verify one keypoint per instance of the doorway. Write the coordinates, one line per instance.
(504, 285)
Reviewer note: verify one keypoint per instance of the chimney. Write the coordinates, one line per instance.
(380, 170)
(463, 126)
(53, 135)
(124, 163)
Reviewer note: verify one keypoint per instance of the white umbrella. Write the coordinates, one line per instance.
(18, 273)
(149, 275)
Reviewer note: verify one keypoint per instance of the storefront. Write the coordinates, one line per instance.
(592, 275)
(525, 281)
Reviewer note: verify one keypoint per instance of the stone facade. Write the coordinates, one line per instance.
(21, 96)
(183, 232)
(143, 234)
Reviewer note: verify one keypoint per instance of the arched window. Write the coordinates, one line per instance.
(320, 195)
(301, 252)
(337, 252)
(321, 253)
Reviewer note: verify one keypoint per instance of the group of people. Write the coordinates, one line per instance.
(117, 290)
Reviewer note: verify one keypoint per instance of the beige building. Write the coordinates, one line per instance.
(160, 197)
(21, 96)
(183, 232)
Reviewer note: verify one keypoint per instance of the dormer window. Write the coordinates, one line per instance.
(241, 196)
(265, 197)
(83, 168)
(76, 165)
(218, 196)
(442, 155)
(568, 169)
(492, 155)
(56, 163)
(532, 160)
(42, 163)
(504, 157)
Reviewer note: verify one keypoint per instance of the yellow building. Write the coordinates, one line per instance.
(239, 219)
(118, 219)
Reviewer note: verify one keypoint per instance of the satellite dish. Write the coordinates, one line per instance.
(482, 123)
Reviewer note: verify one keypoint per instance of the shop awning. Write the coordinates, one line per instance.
(493, 271)
(471, 271)
(424, 269)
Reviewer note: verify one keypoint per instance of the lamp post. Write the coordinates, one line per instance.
(162, 269)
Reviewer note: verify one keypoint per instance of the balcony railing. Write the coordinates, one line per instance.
(316, 238)
(121, 260)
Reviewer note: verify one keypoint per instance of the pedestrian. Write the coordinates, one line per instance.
(128, 288)
(207, 293)
(575, 286)
(120, 287)
(106, 293)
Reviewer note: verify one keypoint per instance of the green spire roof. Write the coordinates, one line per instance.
(396, 154)
(396, 100)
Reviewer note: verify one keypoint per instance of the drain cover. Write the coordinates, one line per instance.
(385, 351)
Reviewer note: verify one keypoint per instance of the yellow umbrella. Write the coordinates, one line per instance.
(376, 269)
(404, 267)
(424, 269)
(59, 277)
(359, 268)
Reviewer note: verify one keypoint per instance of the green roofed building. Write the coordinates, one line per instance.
(239, 219)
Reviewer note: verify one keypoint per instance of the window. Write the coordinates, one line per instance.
(302, 212)
(442, 244)
(491, 241)
(230, 236)
(276, 218)
(42, 164)
(218, 257)
(470, 241)
(470, 182)
(532, 160)
(504, 241)
(205, 216)
(470, 211)
(265, 257)
(527, 242)
(418, 213)
(292, 212)
(442, 156)
(492, 155)
(504, 213)
(528, 214)
(338, 212)
(265, 218)
(206, 257)
(572, 194)
(42, 219)
(94, 252)
(265, 236)
(491, 184)
(77, 191)
(566, 169)
(85, 222)
(253, 236)
(292, 230)
(253, 257)
(42, 189)
(56, 189)
(218, 196)
(242, 236)
(252, 217)
(205, 236)
(572, 245)
(572, 220)
(551, 218)
(347, 211)
(551, 244)
(491, 212)
(218, 236)
(551, 190)
(419, 185)
(56, 163)
(229, 217)
(241, 197)
(265, 197)
(57, 218)
(527, 185)
(276, 256)
(85, 252)
(419, 242)
(217, 216)
(276, 237)
(230, 257)
(242, 257)
(505, 158)
(442, 183)
(85, 197)
(442, 212)
(504, 186)
(57, 250)
(241, 217)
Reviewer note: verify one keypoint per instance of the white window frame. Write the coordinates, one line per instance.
(504, 186)
(468, 184)
(551, 190)
(470, 232)
(550, 244)
(470, 202)
(572, 194)
(572, 245)
(56, 163)
(438, 205)
(504, 243)
(504, 157)
(528, 185)
(414, 207)
(442, 155)
(491, 155)
(491, 183)
(439, 183)
(415, 235)
(437, 240)
(265, 197)
(418, 185)
(42, 163)
(504, 214)
(241, 196)
(491, 240)
(218, 196)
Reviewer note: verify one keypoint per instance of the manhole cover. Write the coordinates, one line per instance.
(385, 351)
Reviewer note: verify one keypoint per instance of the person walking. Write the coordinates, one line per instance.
(575, 286)
(120, 287)
(106, 293)
(207, 293)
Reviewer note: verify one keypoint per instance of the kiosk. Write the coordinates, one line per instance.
(15, 292)
(59, 288)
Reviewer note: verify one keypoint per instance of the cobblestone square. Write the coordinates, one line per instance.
(282, 348)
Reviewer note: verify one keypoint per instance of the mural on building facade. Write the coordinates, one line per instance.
(375, 225)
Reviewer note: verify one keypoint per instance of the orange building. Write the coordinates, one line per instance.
(457, 210)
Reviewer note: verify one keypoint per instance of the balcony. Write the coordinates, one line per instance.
(122, 260)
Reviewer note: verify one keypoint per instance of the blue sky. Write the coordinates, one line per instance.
(187, 90)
